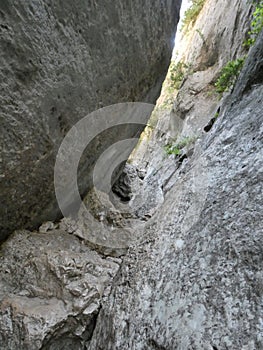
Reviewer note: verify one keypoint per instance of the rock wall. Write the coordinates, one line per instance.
(215, 39)
(60, 61)
(194, 279)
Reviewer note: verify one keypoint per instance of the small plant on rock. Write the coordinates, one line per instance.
(229, 74)
(176, 148)
(177, 74)
(191, 14)
(201, 35)
(256, 25)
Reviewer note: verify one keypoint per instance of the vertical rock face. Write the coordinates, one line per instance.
(215, 39)
(59, 61)
(194, 279)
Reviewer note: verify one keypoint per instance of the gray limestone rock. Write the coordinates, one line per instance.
(61, 60)
(215, 39)
(194, 278)
(51, 289)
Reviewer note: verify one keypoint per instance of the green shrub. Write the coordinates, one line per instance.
(256, 25)
(192, 13)
(229, 75)
(170, 149)
(177, 72)
(176, 148)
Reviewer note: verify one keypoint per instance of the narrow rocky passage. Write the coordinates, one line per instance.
(60, 62)
(172, 257)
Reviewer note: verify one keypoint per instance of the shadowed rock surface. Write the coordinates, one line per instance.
(61, 60)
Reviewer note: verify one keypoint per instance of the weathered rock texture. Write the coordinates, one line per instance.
(51, 289)
(194, 280)
(215, 39)
(60, 61)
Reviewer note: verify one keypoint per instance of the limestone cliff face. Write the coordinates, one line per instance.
(194, 279)
(215, 39)
(61, 60)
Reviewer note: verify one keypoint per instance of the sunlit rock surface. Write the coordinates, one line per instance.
(194, 279)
